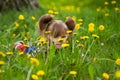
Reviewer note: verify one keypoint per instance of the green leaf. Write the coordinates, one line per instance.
(91, 72)
(52, 52)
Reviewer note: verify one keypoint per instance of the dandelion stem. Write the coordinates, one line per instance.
(78, 58)
(29, 72)
(88, 50)
(72, 45)
(105, 59)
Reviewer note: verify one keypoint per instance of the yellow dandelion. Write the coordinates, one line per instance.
(95, 36)
(55, 12)
(28, 56)
(42, 39)
(67, 17)
(60, 39)
(101, 27)
(117, 74)
(40, 43)
(45, 42)
(106, 3)
(13, 35)
(102, 44)
(74, 33)
(40, 73)
(16, 24)
(68, 8)
(20, 53)
(116, 9)
(69, 31)
(113, 2)
(26, 45)
(77, 26)
(50, 11)
(1, 71)
(117, 61)
(34, 61)
(81, 45)
(91, 27)
(9, 53)
(98, 9)
(28, 34)
(106, 14)
(81, 23)
(37, 23)
(21, 17)
(77, 41)
(35, 77)
(74, 18)
(65, 45)
(94, 59)
(47, 32)
(25, 39)
(80, 20)
(105, 75)
(2, 54)
(84, 37)
(72, 72)
(33, 18)
(2, 62)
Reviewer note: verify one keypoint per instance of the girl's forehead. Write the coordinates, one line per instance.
(58, 29)
(57, 24)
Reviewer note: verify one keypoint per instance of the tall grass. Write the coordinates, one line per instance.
(88, 58)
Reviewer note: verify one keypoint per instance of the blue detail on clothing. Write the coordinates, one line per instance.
(29, 49)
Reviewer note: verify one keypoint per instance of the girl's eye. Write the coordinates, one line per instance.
(63, 36)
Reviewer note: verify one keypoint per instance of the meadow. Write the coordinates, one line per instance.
(93, 52)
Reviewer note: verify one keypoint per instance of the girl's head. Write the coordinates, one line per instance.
(57, 29)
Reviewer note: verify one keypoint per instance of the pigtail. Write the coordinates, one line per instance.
(44, 20)
(70, 23)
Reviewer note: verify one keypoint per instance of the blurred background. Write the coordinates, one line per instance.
(89, 10)
(40, 6)
(19, 21)
(18, 4)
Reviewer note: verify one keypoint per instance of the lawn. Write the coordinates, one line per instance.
(93, 52)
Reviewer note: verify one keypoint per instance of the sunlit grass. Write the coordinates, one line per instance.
(92, 53)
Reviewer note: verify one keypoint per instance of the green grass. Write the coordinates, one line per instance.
(71, 58)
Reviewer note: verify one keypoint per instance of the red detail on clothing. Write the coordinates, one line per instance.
(21, 48)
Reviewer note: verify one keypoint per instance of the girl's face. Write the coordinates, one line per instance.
(58, 41)
(58, 33)
(58, 29)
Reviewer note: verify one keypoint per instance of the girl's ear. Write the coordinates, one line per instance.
(44, 20)
(70, 23)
